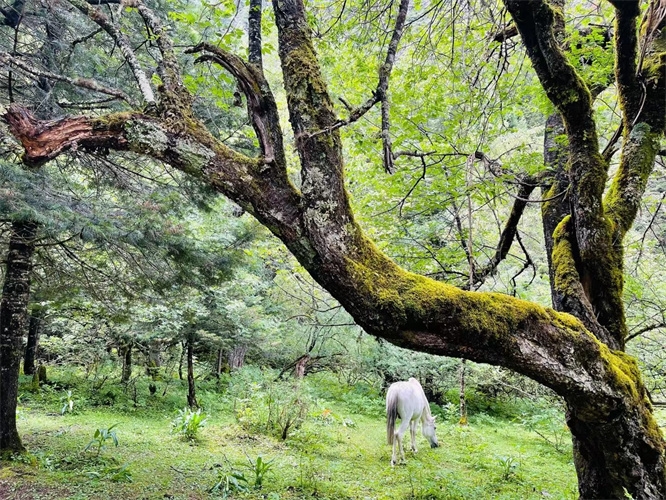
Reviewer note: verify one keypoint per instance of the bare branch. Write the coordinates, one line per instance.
(123, 44)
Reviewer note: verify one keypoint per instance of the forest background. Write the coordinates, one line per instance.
(143, 277)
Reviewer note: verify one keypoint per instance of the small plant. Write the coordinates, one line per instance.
(233, 482)
(509, 467)
(260, 467)
(237, 481)
(187, 423)
(115, 473)
(68, 405)
(100, 438)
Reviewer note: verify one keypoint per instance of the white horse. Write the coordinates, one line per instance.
(408, 400)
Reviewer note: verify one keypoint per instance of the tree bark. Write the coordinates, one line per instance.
(463, 401)
(13, 325)
(191, 389)
(154, 358)
(236, 357)
(32, 344)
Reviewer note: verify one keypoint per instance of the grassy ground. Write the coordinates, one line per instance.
(338, 453)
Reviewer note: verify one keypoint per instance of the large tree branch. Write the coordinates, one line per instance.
(642, 89)
(254, 33)
(626, 53)
(325, 202)
(270, 197)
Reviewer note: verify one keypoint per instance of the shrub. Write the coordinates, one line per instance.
(187, 423)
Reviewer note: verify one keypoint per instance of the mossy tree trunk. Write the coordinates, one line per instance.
(576, 350)
(13, 326)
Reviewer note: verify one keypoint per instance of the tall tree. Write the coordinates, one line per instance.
(578, 350)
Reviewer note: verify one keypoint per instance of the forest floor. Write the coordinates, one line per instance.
(338, 452)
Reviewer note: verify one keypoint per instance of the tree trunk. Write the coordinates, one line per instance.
(237, 357)
(13, 325)
(183, 351)
(126, 353)
(463, 401)
(33, 341)
(154, 358)
(191, 390)
(618, 456)
(301, 365)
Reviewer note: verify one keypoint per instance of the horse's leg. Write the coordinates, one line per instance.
(412, 432)
(404, 423)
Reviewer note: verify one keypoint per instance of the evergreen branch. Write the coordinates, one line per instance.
(25, 67)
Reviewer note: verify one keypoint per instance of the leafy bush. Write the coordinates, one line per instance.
(187, 423)
(272, 407)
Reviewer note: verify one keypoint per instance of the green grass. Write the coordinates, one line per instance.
(338, 453)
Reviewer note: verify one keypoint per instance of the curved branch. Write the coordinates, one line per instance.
(261, 105)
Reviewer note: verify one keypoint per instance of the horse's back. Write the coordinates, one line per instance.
(406, 398)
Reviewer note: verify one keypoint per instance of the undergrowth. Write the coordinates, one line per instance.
(334, 445)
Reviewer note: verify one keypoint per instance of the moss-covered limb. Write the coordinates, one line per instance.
(536, 21)
(588, 170)
(626, 55)
(269, 196)
(636, 164)
(567, 284)
(262, 108)
(325, 201)
(555, 154)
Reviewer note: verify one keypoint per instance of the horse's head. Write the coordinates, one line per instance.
(429, 431)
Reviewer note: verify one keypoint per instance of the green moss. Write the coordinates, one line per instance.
(415, 301)
(625, 376)
(567, 279)
(113, 122)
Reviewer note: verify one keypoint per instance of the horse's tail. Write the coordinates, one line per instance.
(391, 414)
